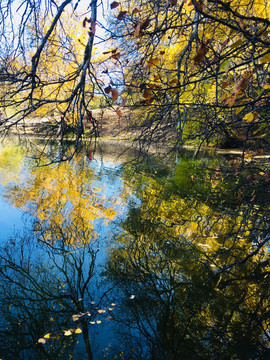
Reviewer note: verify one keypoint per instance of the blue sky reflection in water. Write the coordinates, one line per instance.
(130, 262)
(106, 184)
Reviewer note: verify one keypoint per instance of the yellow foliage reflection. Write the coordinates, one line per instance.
(68, 195)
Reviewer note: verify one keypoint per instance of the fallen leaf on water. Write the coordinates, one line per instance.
(42, 341)
(68, 332)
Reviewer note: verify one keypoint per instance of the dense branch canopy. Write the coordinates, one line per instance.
(189, 69)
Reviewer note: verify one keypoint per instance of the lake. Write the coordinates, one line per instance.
(109, 257)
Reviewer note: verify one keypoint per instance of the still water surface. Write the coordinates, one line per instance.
(102, 259)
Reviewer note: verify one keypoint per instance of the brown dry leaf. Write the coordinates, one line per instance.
(114, 4)
(231, 100)
(121, 15)
(114, 94)
(119, 112)
(123, 103)
(243, 82)
(85, 21)
(137, 31)
(201, 52)
(147, 93)
(200, 5)
(116, 56)
(136, 11)
(225, 84)
(145, 24)
(108, 89)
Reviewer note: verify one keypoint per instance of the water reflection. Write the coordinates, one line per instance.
(197, 265)
(166, 262)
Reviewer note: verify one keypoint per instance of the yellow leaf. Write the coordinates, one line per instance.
(267, 86)
(237, 111)
(47, 336)
(101, 311)
(78, 331)
(153, 62)
(98, 321)
(237, 43)
(249, 117)
(265, 58)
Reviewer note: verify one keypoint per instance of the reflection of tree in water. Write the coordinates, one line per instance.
(47, 301)
(190, 267)
(198, 266)
(51, 296)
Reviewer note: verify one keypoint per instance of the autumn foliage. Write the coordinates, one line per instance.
(188, 70)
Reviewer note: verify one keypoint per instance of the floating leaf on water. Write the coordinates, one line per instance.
(111, 309)
(132, 297)
(68, 332)
(47, 336)
(92, 302)
(92, 322)
(78, 331)
(113, 304)
(42, 341)
(76, 317)
(98, 321)
(101, 311)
